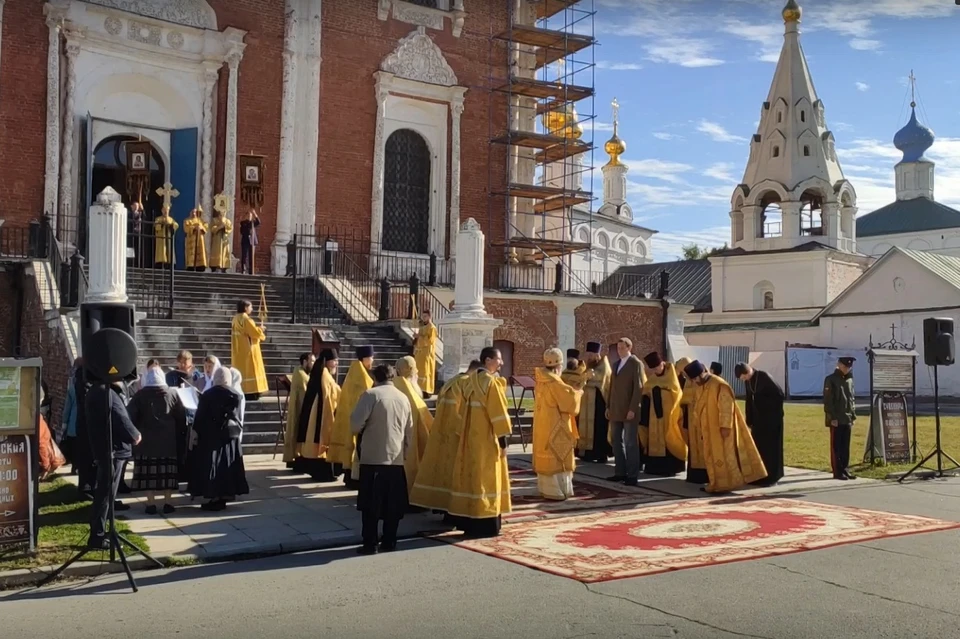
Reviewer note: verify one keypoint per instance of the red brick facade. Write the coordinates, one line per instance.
(607, 323)
(354, 42)
(531, 327)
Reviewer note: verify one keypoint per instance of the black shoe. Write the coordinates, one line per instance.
(98, 543)
(841, 477)
(387, 547)
(619, 479)
(119, 506)
(151, 509)
(123, 489)
(630, 482)
(849, 475)
(168, 509)
(367, 550)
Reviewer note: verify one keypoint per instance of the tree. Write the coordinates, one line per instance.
(697, 252)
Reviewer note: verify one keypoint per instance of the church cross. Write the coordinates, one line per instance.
(616, 114)
(166, 192)
(913, 89)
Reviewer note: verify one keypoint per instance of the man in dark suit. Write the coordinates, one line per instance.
(623, 411)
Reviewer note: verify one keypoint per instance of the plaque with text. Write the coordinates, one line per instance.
(896, 436)
(16, 491)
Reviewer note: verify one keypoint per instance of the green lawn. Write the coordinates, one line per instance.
(64, 528)
(806, 441)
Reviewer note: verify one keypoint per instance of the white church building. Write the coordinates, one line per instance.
(799, 287)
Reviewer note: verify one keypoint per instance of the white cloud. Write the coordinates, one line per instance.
(686, 52)
(861, 44)
(618, 66)
(662, 135)
(721, 171)
(862, 86)
(602, 126)
(717, 132)
(769, 36)
(668, 245)
(842, 126)
(658, 169)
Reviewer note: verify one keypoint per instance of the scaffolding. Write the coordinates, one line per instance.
(549, 145)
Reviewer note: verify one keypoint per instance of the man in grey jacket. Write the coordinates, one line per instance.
(383, 424)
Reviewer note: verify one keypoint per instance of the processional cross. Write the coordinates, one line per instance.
(221, 204)
(167, 192)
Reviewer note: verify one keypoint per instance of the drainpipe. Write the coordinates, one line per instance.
(665, 308)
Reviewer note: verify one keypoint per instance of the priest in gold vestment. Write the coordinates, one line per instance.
(195, 229)
(731, 457)
(480, 490)
(164, 230)
(245, 355)
(555, 408)
(343, 444)
(431, 489)
(425, 353)
(316, 420)
(220, 230)
(660, 434)
(406, 382)
(298, 388)
(592, 424)
(690, 426)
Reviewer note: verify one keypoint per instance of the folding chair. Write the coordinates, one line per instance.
(526, 383)
(282, 385)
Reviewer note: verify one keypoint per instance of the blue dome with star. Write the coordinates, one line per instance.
(913, 140)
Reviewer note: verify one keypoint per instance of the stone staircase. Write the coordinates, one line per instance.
(204, 304)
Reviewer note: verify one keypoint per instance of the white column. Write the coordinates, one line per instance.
(467, 328)
(108, 249)
(70, 222)
(308, 214)
(230, 150)
(210, 76)
(288, 134)
(615, 184)
(456, 110)
(376, 203)
(55, 17)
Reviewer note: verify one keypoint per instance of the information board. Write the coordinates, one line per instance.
(888, 440)
(19, 396)
(16, 491)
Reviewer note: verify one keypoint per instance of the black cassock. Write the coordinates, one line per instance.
(764, 413)
(320, 470)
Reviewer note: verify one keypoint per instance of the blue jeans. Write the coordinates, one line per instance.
(626, 449)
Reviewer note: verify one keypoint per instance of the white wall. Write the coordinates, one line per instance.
(757, 340)
(798, 280)
(946, 241)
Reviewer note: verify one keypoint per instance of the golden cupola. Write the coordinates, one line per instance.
(615, 147)
(563, 122)
(792, 11)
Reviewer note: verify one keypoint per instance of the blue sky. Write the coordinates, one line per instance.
(691, 76)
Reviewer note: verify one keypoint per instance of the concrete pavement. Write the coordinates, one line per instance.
(896, 587)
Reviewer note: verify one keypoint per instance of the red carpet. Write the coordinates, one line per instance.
(603, 546)
(589, 494)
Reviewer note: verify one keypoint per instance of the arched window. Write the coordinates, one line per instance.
(506, 353)
(776, 151)
(763, 296)
(768, 300)
(622, 246)
(803, 116)
(641, 249)
(806, 151)
(406, 193)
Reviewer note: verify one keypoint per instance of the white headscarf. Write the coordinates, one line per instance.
(208, 380)
(153, 377)
(222, 377)
(237, 380)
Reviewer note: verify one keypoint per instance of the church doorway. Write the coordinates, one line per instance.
(109, 158)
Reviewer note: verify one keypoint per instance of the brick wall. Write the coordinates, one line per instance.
(607, 323)
(840, 275)
(37, 338)
(23, 110)
(530, 324)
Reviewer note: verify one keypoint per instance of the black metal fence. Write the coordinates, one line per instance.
(151, 276)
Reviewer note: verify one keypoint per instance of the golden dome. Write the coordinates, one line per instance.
(563, 122)
(792, 12)
(615, 147)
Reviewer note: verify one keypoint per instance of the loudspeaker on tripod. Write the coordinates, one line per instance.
(96, 316)
(938, 343)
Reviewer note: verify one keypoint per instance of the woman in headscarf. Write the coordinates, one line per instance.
(236, 383)
(159, 415)
(217, 472)
(210, 366)
(315, 420)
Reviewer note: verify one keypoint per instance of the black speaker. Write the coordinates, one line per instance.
(938, 344)
(95, 317)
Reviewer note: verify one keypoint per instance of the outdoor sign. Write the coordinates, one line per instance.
(16, 491)
(889, 438)
(19, 396)
(893, 370)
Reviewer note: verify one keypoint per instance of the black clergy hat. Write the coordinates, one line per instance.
(716, 368)
(329, 354)
(364, 352)
(694, 369)
(573, 353)
(847, 361)
(740, 369)
(653, 359)
(593, 347)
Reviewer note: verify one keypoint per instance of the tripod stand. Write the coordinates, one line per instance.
(113, 538)
(938, 450)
